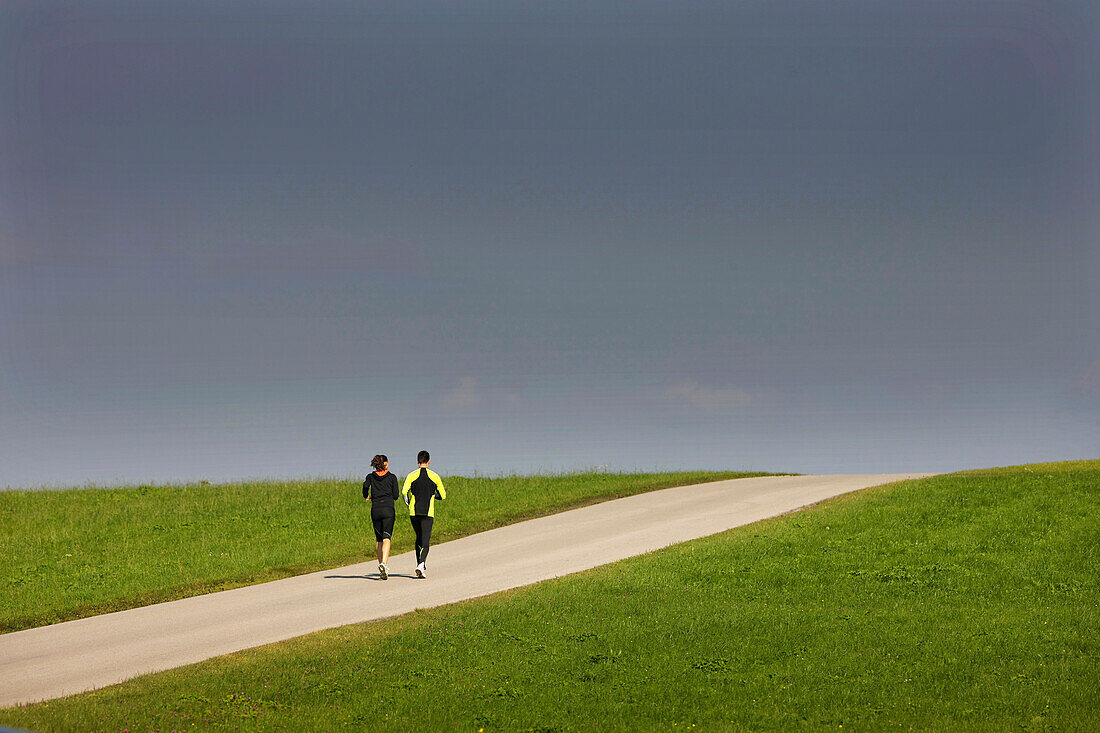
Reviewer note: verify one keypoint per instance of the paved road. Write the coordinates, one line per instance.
(75, 656)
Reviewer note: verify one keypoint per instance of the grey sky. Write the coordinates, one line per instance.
(244, 239)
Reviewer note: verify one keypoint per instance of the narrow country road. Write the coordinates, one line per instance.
(75, 656)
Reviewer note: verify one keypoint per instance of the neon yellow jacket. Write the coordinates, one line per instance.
(422, 487)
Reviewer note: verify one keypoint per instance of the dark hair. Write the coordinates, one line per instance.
(423, 457)
(379, 462)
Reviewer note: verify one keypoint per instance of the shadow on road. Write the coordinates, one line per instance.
(374, 576)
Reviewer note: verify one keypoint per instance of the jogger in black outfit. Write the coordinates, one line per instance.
(422, 487)
(381, 488)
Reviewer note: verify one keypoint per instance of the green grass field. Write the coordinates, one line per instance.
(965, 601)
(74, 553)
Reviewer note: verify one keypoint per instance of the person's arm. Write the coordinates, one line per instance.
(366, 487)
(406, 487)
(396, 487)
(439, 490)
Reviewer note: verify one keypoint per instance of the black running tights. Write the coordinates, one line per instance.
(423, 528)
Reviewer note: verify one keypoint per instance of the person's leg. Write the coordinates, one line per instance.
(417, 524)
(384, 540)
(377, 521)
(425, 537)
(382, 521)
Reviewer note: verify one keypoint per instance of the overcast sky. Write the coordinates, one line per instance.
(243, 239)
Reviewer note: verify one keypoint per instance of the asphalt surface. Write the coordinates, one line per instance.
(76, 656)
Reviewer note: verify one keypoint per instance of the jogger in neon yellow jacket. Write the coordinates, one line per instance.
(422, 487)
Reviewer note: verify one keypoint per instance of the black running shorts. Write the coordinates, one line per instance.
(382, 519)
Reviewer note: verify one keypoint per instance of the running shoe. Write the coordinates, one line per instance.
(382, 570)
(421, 572)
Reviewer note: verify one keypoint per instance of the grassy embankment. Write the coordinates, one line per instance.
(74, 553)
(961, 601)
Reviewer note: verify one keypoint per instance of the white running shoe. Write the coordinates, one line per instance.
(382, 570)
(421, 571)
